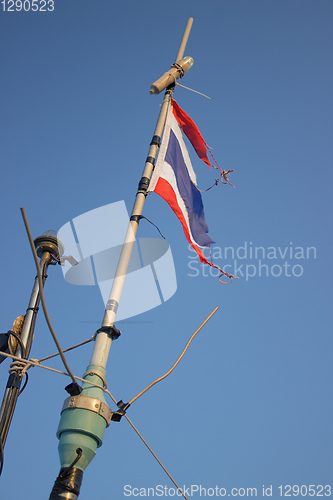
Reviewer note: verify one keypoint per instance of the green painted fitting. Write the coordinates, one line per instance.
(70, 442)
(82, 428)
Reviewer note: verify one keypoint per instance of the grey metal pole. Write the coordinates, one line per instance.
(31, 314)
(14, 380)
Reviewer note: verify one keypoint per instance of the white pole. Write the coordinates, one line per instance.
(183, 43)
(103, 339)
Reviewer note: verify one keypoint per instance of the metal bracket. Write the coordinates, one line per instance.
(111, 331)
(99, 374)
(116, 416)
(88, 403)
(69, 258)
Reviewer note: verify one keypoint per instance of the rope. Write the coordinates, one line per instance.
(231, 276)
(17, 366)
(224, 176)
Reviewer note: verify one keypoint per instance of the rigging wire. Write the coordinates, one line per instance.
(151, 451)
(35, 362)
(31, 362)
(66, 350)
(176, 363)
(192, 90)
(41, 291)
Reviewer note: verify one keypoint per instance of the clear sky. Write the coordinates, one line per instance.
(250, 404)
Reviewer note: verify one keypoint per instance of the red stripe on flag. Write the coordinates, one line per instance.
(192, 132)
(164, 189)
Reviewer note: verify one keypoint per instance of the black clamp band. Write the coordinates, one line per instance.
(14, 381)
(34, 309)
(67, 483)
(150, 159)
(136, 218)
(155, 140)
(143, 185)
(110, 330)
(116, 416)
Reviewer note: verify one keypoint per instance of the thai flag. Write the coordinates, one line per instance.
(175, 181)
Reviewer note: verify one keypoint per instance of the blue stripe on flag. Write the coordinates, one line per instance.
(189, 192)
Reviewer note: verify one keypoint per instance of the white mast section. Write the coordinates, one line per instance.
(103, 339)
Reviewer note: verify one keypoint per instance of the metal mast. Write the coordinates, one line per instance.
(85, 415)
(45, 246)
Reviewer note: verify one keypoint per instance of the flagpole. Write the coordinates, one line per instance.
(86, 415)
(103, 339)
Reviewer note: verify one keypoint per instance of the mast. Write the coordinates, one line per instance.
(85, 414)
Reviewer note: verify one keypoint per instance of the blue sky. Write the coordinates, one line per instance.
(250, 404)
